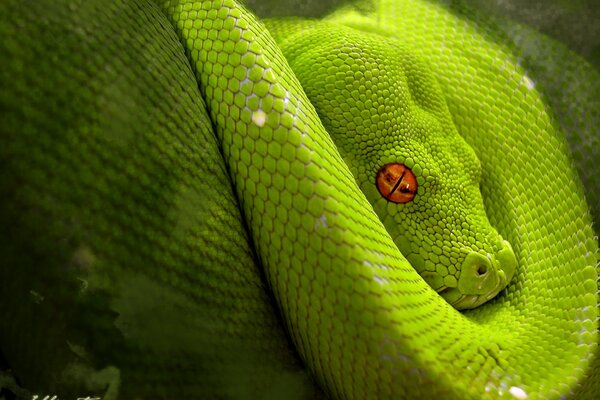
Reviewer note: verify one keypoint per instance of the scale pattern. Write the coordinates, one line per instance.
(444, 232)
(124, 259)
(132, 262)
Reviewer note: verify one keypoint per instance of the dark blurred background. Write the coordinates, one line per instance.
(576, 23)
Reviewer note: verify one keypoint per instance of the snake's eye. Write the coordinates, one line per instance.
(397, 183)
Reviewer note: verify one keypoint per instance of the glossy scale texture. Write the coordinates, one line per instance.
(179, 223)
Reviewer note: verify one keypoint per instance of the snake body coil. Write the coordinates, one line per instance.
(179, 221)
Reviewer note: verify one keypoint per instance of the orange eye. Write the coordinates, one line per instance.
(397, 183)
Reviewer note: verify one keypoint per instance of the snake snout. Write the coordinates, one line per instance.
(483, 276)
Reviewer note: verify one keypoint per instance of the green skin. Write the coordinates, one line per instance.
(444, 232)
(191, 209)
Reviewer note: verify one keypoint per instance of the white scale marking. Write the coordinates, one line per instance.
(259, 117)
(518, 393)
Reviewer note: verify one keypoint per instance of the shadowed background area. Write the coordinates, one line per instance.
(575, 23)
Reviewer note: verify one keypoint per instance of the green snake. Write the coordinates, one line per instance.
(190, 206)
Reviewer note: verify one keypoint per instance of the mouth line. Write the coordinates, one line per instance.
(470, 301)
(465, 300)
(482, 276)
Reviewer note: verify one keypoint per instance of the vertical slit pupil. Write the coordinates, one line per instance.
(396, 183)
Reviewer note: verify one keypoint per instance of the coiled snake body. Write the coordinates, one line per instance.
(183, 211)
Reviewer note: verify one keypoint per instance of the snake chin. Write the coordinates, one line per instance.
(482, 277)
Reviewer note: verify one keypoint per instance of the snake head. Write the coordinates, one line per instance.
(481, 277)
(382, 106)
(444, 231)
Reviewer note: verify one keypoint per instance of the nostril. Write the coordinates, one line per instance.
(476, 275)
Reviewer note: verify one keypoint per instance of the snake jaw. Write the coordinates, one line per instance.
(466, 302)
(482, 277)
